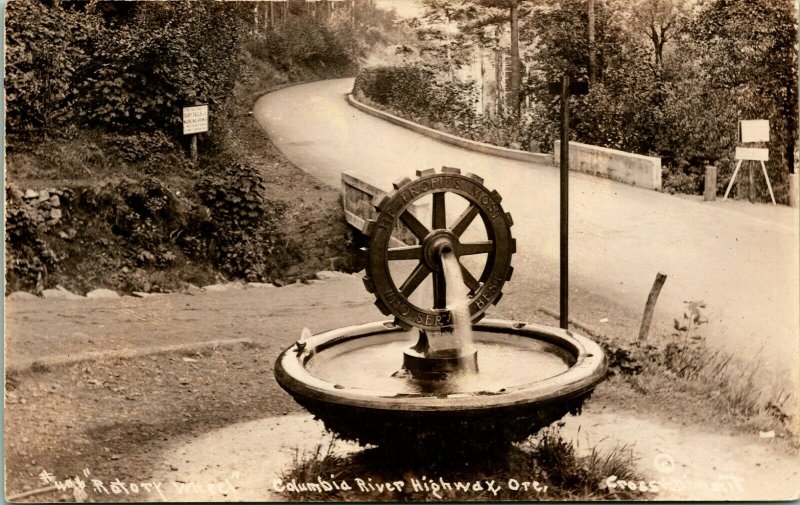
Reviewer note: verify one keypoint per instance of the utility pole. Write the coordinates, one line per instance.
(592, 52)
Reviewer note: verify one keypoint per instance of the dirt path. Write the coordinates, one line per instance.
(689, 462)
(245, 461)
(38, 329)
(242, 462)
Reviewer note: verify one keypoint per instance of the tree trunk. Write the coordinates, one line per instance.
(255, 18)
(592, 49)
(514, 85)
(791, 123)
(659, 56)
(499, 78)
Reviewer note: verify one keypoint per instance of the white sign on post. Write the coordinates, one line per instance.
(195, 119)
(752, 153)
(753, 130)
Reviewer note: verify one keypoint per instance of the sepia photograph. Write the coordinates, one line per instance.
(401, 251)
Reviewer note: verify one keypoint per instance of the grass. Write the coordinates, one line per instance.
(677, 370)
(544, 467)
(82, 157)
(736, 392)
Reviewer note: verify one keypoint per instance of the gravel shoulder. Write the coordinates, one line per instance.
(70, 329)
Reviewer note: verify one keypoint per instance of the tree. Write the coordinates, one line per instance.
(437, 28)
(45, 48)
(561, 31)
(592, 49)
(498, 11)
(748, 49)
(659, 21)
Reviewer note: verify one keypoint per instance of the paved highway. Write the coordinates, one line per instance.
(741, 259)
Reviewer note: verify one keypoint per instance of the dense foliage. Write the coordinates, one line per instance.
(28, 257)
(418, 93)
(671, 78)
(130, 66)
(94, 96)
(43, 60)
(303, 42)
(243, 226)
(727, 60)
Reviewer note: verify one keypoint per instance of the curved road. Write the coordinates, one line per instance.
(741, 259)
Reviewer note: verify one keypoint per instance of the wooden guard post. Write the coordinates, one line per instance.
(651, 305)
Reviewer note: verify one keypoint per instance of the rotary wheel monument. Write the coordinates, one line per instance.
(438, 374)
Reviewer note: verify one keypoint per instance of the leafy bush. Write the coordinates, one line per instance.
(160, 58)
(420, 94)
(424, 95)
(144, 212)
(46, 50)
(116, 66)
(235, 198)
(231, 224)
(143, 146)
(244, 226)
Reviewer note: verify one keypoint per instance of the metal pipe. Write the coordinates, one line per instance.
(564, 243)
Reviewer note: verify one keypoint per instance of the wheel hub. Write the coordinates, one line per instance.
(435, 244)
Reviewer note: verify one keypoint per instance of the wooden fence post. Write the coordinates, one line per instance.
(193, 149)
(650, 306)
(710, 184)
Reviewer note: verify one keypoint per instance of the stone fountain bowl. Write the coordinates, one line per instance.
(529, 376)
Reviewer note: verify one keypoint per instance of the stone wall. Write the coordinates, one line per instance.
(47, 206)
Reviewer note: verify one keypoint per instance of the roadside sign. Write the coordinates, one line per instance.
(753, 130)
(752, 153)
(195, 119)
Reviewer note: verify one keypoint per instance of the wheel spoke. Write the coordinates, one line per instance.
(475, 248)
(464, 220)
(439, 291)
(418, 229)
(471, 282)
(412, 252)
(439, 215)
(414, 280)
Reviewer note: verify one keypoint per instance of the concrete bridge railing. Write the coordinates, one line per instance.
(621, 166)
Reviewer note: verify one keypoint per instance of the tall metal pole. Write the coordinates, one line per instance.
(564, 244)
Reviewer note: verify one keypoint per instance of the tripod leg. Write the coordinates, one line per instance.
(733, 178)
(769, 186)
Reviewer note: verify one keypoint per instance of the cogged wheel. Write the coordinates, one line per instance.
(397, 224)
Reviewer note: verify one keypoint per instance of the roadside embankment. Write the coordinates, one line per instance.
(481, 147)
